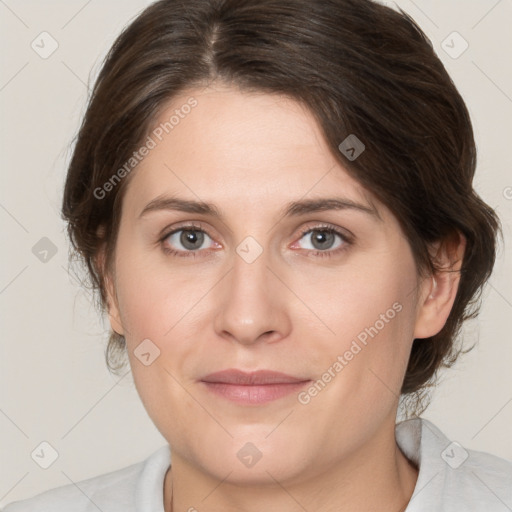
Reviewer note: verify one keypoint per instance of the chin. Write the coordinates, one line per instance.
(251, 459)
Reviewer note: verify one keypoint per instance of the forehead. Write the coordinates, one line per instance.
(239, 148)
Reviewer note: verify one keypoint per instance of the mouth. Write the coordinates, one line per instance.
(252, 388)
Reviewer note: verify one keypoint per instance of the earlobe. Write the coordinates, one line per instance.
(438, 292)
(113, 307)
(110, 292)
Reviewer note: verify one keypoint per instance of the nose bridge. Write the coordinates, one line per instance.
(252, 302)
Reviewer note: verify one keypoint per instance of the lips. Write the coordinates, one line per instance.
(252, 388)
(257, 378)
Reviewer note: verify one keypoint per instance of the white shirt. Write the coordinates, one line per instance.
(450, 479)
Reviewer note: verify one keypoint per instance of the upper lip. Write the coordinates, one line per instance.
(235, 376)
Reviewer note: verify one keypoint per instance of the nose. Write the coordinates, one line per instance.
(253, 303)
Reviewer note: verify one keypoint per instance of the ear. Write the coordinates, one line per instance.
(438, 292)
(110, 290)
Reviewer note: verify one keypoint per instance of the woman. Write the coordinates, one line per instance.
(274, 200)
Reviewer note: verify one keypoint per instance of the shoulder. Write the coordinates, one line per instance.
(451, 477)
(91, 494)
(482, 478)
(109, 492)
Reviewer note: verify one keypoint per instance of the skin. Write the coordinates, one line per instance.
(289, 310)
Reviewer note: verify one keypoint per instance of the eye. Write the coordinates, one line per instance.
(325, 241)
(187, 239)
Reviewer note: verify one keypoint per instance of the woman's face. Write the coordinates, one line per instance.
(261, 286)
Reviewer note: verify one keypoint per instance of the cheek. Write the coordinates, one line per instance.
(365, 297)
(368, 316)
(162, 305)
(361, 364)
(153, 298)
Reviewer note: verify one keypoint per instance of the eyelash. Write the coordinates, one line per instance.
(317, 253)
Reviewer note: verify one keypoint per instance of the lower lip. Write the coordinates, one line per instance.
(254, 395)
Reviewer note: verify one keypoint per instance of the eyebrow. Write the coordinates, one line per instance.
(293, 209)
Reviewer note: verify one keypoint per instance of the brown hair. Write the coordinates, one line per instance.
(360, 67)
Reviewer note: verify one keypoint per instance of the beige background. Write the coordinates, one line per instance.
(54, 384)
